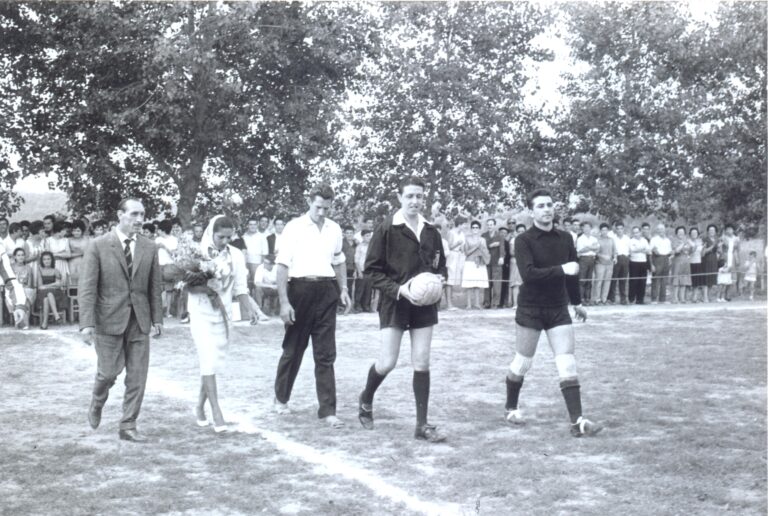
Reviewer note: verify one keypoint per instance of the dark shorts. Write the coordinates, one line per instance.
(405, 315)
(542, 317)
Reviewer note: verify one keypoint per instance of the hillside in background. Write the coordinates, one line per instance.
(39, 204)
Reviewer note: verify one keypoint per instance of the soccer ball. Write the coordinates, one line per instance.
(426, 289)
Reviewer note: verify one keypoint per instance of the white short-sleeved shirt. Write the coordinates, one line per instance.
(262, 275)
(309, 251)
(622, 245)
(661, 245)
(171, 243)
(255, 246)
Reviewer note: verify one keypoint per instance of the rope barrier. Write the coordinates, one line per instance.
(627, 278)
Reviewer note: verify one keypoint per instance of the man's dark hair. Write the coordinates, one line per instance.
(491, 220)
(263, 216)
(223, 223)
(520, 226)
(617, 223)
(348, 228)
(586, 223)
(252, 218)
(411, 180)
(458, 221)
(4, 219)
(475, 223)
(198, 223)
(14, 227)
(717, 230)
(123, 202)
(165, 226)
(322, 190)
(539, 192)
(149, 226)
(99, 224)
(728, 225)
(365, 232)
(279, 217)
(24, 223)
(567, 219)
(604, 225)
(176, 221)
(52, 218)
(504, 228)
(645, 225)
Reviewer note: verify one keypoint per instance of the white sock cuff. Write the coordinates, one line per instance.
(520, 364)
(566, 365)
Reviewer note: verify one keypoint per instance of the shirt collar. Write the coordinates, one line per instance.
(399, 219)
(538, 232)
(122, 236)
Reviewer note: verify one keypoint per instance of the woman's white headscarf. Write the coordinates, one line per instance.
(206, 242)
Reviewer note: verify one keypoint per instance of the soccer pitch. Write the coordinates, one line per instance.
(681, 391)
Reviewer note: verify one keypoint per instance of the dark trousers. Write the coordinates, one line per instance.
(638, 272)
(363, 293)
(314, 304)
(619, 281)
(350, 282)
(494, 287)
(659, 280)
(115, 352)
(504, 285)
(586, 273)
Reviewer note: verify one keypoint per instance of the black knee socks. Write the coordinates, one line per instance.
(373, 382)
(421, 393)
(572, 396)
(513, 393)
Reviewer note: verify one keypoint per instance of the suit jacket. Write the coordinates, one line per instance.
(106, 293)
(395, 255)
(271, 243)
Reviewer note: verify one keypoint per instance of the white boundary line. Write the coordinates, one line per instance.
(330, 464)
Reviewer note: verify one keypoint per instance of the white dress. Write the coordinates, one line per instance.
(475, 274)
(210, 329)
(454, 261)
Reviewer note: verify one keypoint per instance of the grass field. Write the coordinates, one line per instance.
(682, 392)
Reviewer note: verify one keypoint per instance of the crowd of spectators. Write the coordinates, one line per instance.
(618, 265)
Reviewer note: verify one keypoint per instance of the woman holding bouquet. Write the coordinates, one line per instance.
(214, 275)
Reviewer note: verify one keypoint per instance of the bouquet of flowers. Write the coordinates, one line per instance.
(202, 271)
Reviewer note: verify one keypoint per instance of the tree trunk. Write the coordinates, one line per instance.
(189, 184)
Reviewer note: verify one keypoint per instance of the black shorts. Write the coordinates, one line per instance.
(405, 315)
(542, 317)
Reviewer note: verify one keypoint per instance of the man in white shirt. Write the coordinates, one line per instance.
(621, 269)
(368, 224)
(661, 252)
(14, 240)
(255, 247)
(311, 281)
(587, 247)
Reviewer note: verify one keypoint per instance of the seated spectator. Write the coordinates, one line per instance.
(265, 283)
(50, 294)
(25, 274)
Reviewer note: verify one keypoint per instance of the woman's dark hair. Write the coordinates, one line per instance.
(79, 224)
(678, 228)
(61, 225)
(475, 223)
(729, 226)
(47, 253)
(713, 226)
(694, 229)
(165, 226)
(223, 223)
(17, 250)
(458, 221)
(35, 226)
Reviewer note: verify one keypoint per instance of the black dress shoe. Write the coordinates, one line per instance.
(94, 415)
(365, 413)
(131, 434)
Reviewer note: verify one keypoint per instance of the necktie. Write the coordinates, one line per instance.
(128, 257)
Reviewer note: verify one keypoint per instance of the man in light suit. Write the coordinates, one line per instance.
(119, 296)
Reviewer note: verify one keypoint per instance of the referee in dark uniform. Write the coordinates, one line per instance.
(402, 247)
(311, 281)
(548, 265)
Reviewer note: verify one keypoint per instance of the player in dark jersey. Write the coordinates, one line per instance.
(548, 265)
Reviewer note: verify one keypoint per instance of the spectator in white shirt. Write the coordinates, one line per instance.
(368, 224)
(621, 269)
(661, 251)
(587, 247)
(166, 246)
(255, 247)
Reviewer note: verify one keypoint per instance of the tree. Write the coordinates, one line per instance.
(444, 100)
(188, 100)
